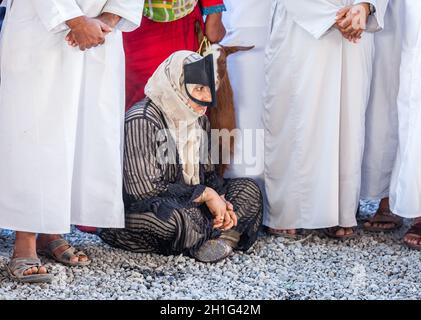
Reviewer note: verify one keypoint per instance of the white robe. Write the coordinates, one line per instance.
(405, 193)
(317, 93)
(247, 24)
(61, 118)
(381, 138)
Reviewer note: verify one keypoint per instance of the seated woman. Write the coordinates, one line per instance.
(175, 201)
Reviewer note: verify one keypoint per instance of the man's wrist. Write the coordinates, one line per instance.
(111, 19)
(370, 9)
(75, 22)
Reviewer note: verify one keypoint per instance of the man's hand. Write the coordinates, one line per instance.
(214, 28)
(360, 12)
(109, 19)
(86, 32)
(351, 21)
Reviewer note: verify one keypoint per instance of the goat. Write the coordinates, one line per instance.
(222, 117)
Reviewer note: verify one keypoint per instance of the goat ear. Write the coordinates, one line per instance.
(234, 49)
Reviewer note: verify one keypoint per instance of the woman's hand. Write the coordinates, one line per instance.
(214, 28)
(216, 205)
(224, 217)
(230, 218)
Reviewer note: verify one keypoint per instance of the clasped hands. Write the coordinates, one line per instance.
(87, 33)
(351, 21)
(224, 217)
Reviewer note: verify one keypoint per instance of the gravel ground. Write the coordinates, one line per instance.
(372, 266)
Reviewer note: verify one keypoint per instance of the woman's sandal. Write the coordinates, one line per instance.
(414, 231)
(213, 251)
(332, 233)
(64, 257)
(383, 216)
(17, 266)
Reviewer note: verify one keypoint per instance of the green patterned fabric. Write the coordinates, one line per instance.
(168, 10)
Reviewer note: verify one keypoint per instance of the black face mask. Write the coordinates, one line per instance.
(201, 72)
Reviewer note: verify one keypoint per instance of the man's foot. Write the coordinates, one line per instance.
(25, 248)
(58, 249)
(288, 233)
(340, 232)
(383, 221)
(413, 237)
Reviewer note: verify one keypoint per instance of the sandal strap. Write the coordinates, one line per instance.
(415, 230)
(70, 253)
(19, 265)
(55, 244)
(80, 254)
(67, 254)
(385, 211)
(382, 217)
(331, 232)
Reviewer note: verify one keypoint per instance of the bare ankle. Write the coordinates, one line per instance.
(25, 245)
(384, 204)
(44, 239)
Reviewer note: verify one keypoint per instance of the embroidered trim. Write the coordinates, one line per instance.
(214, 9)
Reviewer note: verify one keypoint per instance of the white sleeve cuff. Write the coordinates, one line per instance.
(129, 21)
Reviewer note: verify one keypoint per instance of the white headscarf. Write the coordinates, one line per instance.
(166, 89)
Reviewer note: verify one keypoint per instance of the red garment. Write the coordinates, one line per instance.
(211, 3)
(148, 46)
(87, 229)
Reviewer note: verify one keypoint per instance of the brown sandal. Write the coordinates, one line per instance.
(283, 233)
(415, 231)
(331, 233)
(383, 216)
(17, 267)
(64, 257)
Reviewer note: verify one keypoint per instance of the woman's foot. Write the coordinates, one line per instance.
(62, 252)
(213, 251)
(413, 236)
(25, 248)
(383, 220)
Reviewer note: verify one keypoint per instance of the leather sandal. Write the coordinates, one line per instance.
(332, 233)
(382, 217)
(64, 257)
(17, 266)
(414, 231)
(284, 234)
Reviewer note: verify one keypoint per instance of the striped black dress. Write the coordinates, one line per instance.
(161, 216)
